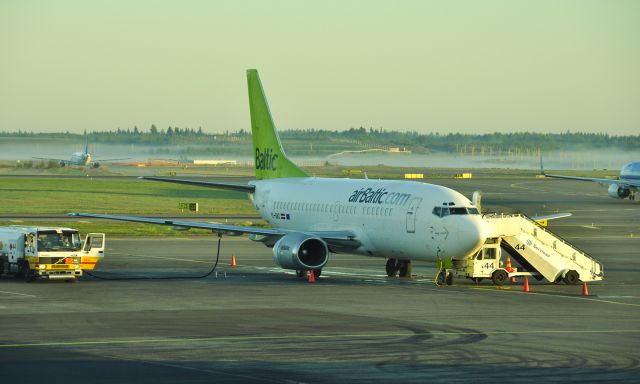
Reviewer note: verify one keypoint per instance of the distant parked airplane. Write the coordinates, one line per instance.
(626, 186)
(81, 159)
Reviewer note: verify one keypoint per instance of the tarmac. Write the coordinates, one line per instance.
(151, 317)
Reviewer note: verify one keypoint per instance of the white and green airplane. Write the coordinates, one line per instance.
(312, 217)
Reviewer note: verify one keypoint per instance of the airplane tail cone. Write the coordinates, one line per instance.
(585, 289)
(312, 277)
(233, 261)
(526, 285)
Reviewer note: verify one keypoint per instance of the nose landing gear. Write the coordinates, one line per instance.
(397, 266)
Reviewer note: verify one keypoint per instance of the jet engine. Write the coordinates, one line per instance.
(300, 251)
(62, 163)
(618, 192)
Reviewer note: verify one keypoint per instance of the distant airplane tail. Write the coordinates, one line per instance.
(270, 160)
(86, 146)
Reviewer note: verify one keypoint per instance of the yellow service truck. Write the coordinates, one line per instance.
(48, 252)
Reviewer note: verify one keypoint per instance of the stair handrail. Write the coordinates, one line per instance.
(593, 260)
(564, 241)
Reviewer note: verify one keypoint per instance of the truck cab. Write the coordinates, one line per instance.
(48, 252)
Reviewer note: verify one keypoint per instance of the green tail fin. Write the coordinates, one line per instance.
(270, 159)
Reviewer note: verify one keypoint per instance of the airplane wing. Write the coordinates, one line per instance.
(224, 229)
(336, 239)
(622, 183)
(208, 184)
(592, 179)
(47, 158)
(122, 158)
(627, 183)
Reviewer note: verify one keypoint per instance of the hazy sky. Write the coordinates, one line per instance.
(445, 66)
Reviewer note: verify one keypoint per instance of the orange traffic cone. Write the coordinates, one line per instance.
(312, 277)
(510, 269)
(585, 289)
(233, 261)
(526, 285)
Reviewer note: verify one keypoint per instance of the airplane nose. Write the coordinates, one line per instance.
(472, 235)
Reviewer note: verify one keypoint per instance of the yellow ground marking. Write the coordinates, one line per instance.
(335, 336)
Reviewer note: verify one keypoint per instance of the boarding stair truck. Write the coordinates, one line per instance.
(48, 252)
(541, 253)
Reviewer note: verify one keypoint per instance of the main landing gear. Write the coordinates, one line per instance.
(397, 267)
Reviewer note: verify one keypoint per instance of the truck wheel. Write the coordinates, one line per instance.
(571, 277)
(29, 275)
(449, 279)
(441, 277)
(499, 277)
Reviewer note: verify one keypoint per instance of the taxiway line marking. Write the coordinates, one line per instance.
(508, 289)
(166, 258)
(18, 294)
(315, 337)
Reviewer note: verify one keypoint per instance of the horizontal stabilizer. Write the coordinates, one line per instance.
(208, 184)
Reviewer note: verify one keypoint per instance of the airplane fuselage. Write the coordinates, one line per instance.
(391, 218)
(80, 158)
(630, 171)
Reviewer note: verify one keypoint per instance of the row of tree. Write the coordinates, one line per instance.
(359, 138)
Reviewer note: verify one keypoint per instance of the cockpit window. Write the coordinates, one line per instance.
(58, 241)
(446, 211)
(441, 211)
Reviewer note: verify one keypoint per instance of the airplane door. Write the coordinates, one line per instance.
(336, 211)
(411, 214)
(94, 244)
